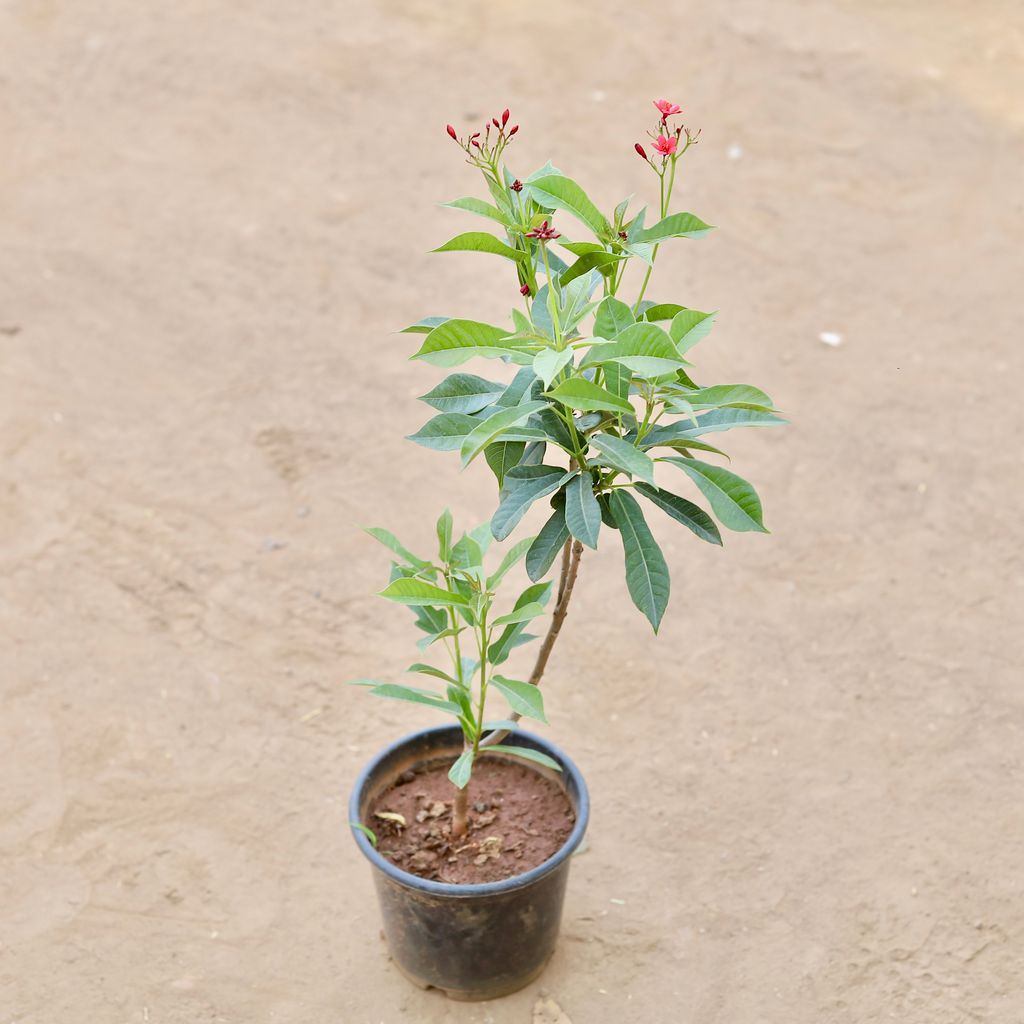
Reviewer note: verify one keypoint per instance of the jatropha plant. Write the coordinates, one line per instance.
(602, 398)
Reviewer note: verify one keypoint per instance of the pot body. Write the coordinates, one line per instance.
(470, 941)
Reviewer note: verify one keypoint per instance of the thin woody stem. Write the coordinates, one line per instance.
(571, 554)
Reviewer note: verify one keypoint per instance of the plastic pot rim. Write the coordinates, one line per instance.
(411, 881)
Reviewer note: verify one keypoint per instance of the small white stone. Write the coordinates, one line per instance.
(831, 338)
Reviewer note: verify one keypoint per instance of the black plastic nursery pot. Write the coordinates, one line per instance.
(470, 941)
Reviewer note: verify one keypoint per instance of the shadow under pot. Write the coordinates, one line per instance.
(477, 941)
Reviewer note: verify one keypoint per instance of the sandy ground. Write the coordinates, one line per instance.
(212, 218)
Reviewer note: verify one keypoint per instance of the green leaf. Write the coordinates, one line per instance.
(491, 429)
(548, 363)
(517, 389)
(709, 422)
(522, 697)
(612, 317)
(481, 241)
(581, 248)
(415, 695)
(474, 205)
(685, 444)
(415, 592)
(676, 225)
(463, 392)
(524, 614)
(554, 429)
(724, 395)
(455, 341)
(389, 540)
(446, 432)
(584, 396)
(689, 327)
(663, 311)
(591, 261)
(511, 638)
(557, 192)
(425, 326)
(512, 556)
(462, 770)
(444, 534)
(644, 348)
(523, 486)
(582, 512)
(503, 456)
(431, 670)
(646, 572)
(693, 517)
(620, 454)
(368, 832)
(617, 379)
(527, 754)
(732, 498)
(544, 550)
(430, 620)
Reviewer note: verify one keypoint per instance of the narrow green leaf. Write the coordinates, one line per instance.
(461, 772)
(518, 388)
(549, 362)
(425, 326)
(491, 429)
(444, 534)
(617, 379)
(527, 753)
(416, 592)
(591, 261)
(524, 614)
(463, 392)
(415, 695)
(368, 832)
(431, 670)
(685, 444)
(474, 205)
(663, 311)
(693, 517)
(389, 540)
(689, 327)
(556, 192)
(511, 638)
(455, 341)
(724, 395)
(523, 486)
(620, 454)
(647, 574)
(512, 557)
(503, 456)
(545, 548)
(446, 432)
(522, 697)
(582, 512)
(585, 396)
(481, 241)
(676, 225)
(732, 498)
(581, 248)
(612, 316)
(710, 422)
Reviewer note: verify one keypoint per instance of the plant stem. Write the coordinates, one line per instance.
(460, 812)
(571, 554)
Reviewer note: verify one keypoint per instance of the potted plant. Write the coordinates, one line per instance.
(469, 873)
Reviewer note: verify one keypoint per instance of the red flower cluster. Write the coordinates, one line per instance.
(474, 140)
(666, 142)
(667, 109)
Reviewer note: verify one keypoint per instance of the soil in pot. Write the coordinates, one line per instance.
(517, 820)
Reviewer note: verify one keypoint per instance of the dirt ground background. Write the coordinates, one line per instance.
(213, 217)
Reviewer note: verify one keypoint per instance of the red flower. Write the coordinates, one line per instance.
(640, 150)
(451, 132)
(665, 146)
(525, 290)
(544, 233)
(667, 109)
(516, 186)
(504, 118)
(513, 130)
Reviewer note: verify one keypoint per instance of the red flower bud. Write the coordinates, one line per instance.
(504, 118)
(494, 121)
(451, 132)
(513, 130)
(640, 150)
(516, 186)
(525, 290)
(473, 142)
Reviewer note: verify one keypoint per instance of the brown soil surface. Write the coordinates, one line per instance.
(517, 820)
(213, 218)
